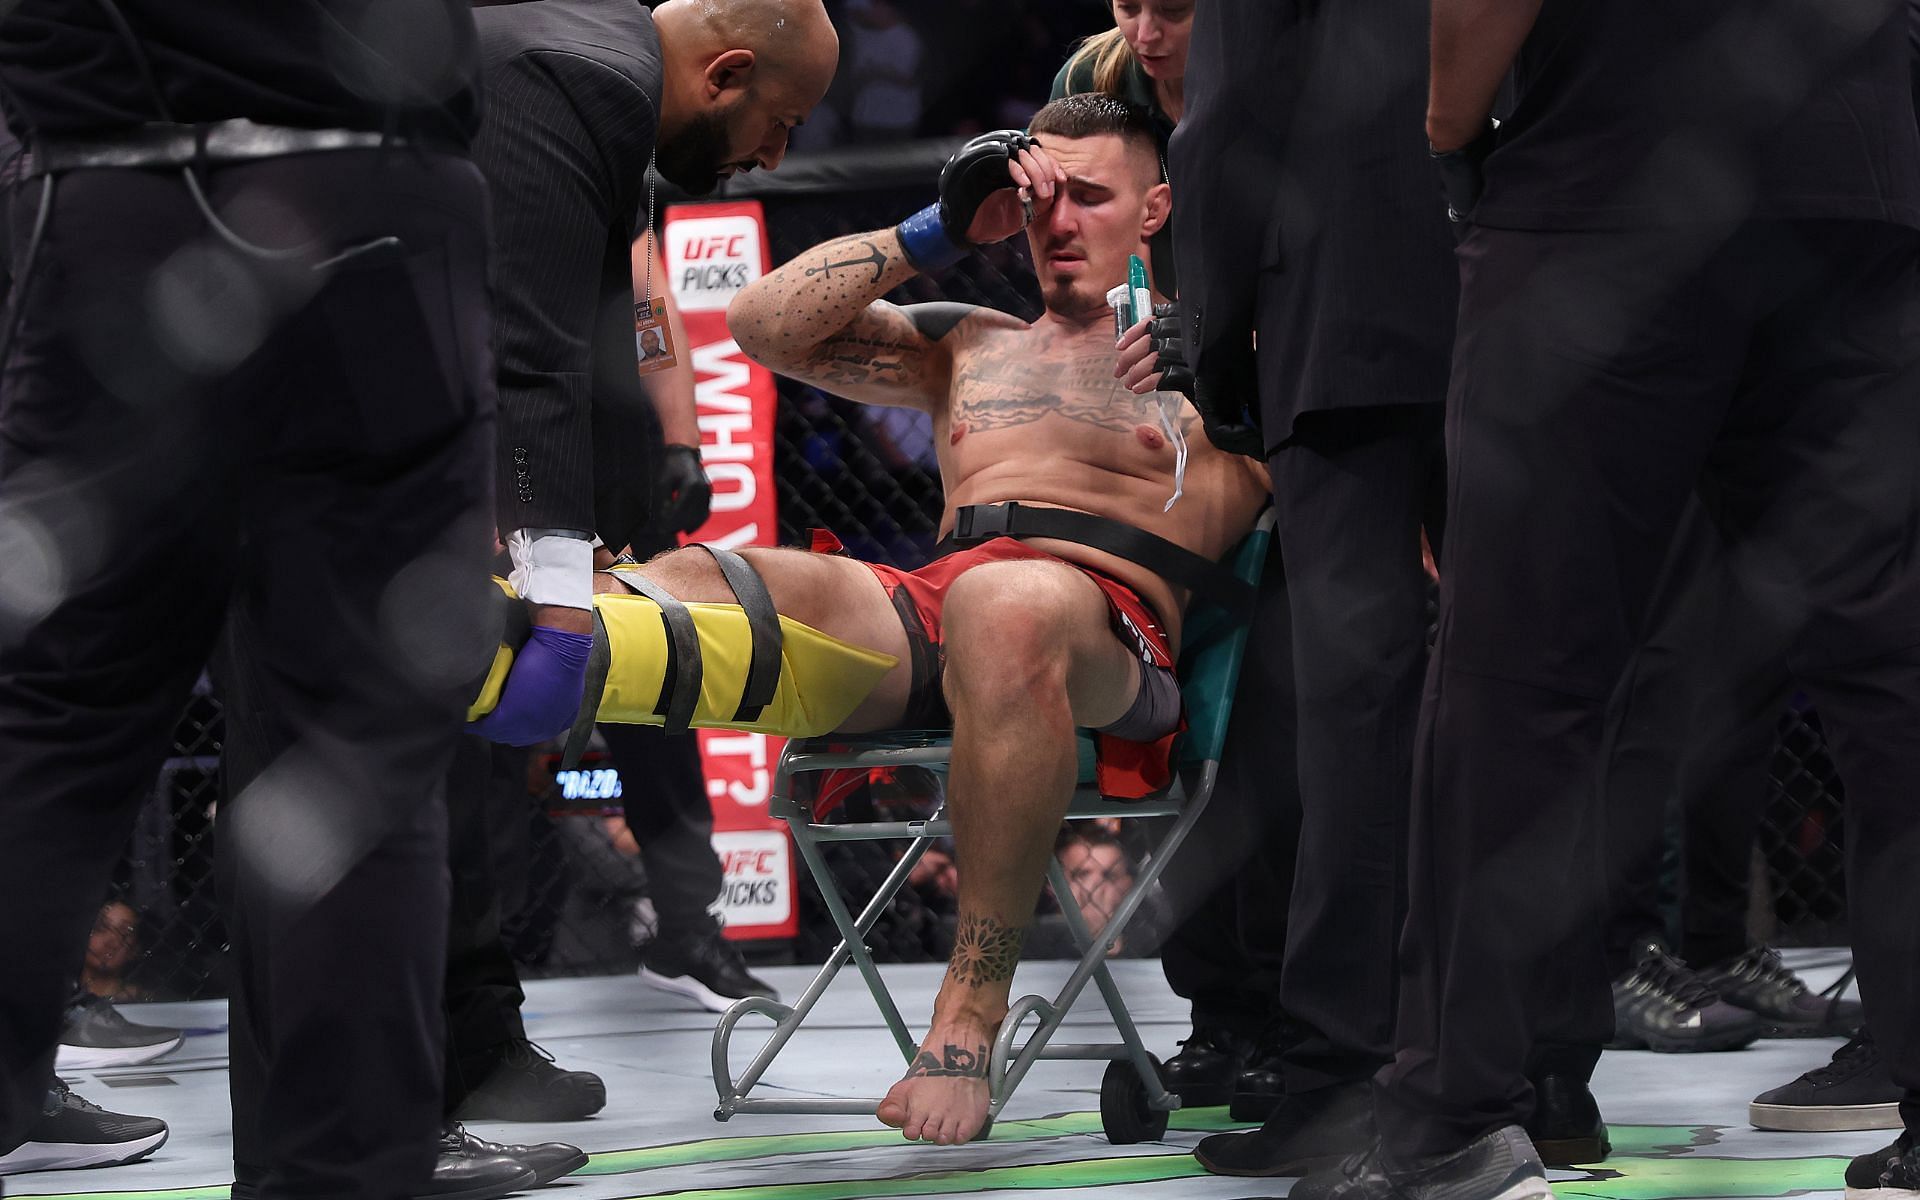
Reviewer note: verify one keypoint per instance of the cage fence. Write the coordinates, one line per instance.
(576, 897)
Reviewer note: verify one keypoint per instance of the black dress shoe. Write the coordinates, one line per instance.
(549, 1160)
(1309, 1131)
(465, 1171)
(1566, 1127)
(1259, 1089)
(1202, 1074)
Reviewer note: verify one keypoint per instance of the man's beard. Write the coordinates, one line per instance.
(695, 157)
(1070, 297)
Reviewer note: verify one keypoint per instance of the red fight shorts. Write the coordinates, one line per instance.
(1125, 769)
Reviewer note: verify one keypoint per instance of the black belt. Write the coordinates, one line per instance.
(239, 140)
(974, 524)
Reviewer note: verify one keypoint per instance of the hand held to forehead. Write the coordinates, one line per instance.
(992, 167)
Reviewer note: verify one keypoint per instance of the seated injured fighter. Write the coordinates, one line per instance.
(1012, 641)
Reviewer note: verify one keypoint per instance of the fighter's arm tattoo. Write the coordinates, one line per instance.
(820, 319)
(985, 950)
(953, 1062)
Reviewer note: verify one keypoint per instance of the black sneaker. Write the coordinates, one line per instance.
(1497, 1166)
(1759, 982)
(1309, 1131)
(1202, 1073)
(1565, 1127)
(527, 1086)
(1889, 1174)
(72, 1134)
(707, 969)
(1853, 1091)
(1663, 1005)
(548, 1160)
(96, 1035)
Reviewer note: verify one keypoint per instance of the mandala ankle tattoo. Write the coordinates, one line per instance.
(955, 1062)
(985, 950)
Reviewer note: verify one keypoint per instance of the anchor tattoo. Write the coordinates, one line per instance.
(875, 259)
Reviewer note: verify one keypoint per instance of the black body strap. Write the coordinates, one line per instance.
(680, 683)
(763, 667)
(975, 524)
(599, 660)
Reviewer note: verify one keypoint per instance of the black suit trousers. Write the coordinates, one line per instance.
(1352, 490)
(1229, 884)
(487, 803)
(665, 799)
(187, 431)
(1597, 377)
(1688, 745)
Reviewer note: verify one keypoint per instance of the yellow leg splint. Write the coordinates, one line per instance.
(821, 678)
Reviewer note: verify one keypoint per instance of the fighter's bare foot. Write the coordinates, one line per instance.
(944, 1097)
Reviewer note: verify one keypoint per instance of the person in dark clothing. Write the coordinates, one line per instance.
(1231, 883)
(494, 1072)
(585, 93)
(1223, 955)
(1688, 260)
(1303, 221)
(281, 411)
(1691, 735)
(667, 809)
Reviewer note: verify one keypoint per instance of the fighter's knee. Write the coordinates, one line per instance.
(688, 573)
(1008, 636)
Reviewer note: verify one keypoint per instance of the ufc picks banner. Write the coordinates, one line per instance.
(712, 251)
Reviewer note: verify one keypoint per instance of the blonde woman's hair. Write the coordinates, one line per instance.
(1108, 56)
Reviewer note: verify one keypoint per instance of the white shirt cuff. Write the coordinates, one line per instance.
(551, 568)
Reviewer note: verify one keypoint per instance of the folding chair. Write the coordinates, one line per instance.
(1134, 1105)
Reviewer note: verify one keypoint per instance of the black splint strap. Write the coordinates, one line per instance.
(599, 661)
(680, 684)
(974, 524)
(763, 622)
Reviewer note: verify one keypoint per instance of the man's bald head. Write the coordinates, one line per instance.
(787, 29)
(739, 74)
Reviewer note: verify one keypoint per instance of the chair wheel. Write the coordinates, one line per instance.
(1124, 1114)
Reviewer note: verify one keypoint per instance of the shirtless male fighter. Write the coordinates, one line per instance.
(1022, 641)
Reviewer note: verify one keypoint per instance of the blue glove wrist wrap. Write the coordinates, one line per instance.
(927, 241)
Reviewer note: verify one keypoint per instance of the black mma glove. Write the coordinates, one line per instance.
(1230, 424)
(684, 494)
(1461, 176)
(1169, 344)
(936, 237)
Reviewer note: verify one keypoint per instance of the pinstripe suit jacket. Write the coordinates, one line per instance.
(572, 90)
(1305, 208)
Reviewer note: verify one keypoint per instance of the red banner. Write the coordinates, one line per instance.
(712, 251)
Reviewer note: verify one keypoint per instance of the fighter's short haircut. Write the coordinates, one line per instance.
(1087, 114)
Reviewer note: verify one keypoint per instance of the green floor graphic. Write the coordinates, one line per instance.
(1649, 1162)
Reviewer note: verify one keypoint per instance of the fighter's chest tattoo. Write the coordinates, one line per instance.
(1000, 391)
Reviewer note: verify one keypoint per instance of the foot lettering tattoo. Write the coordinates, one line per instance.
(957, 1062)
